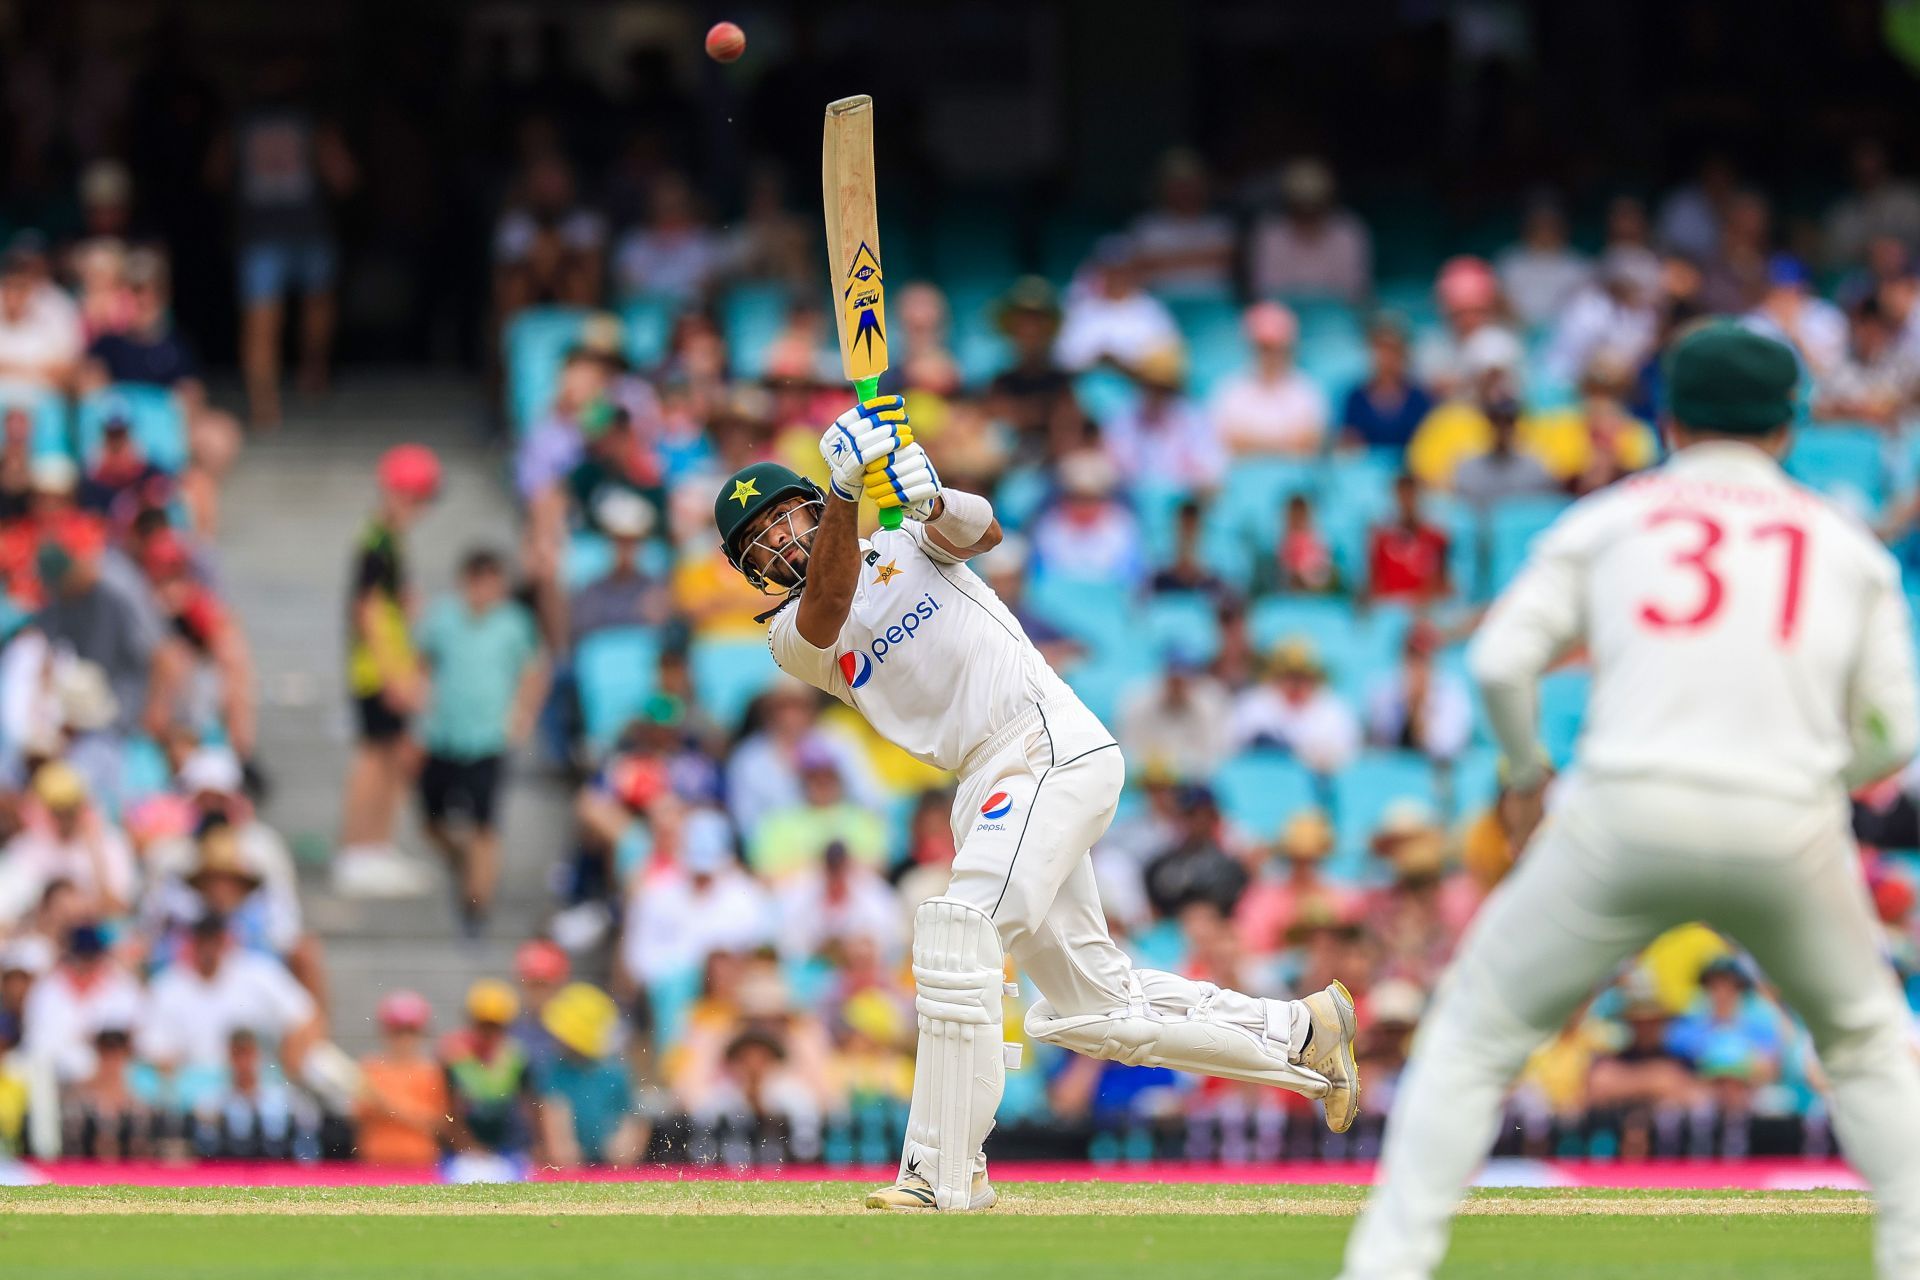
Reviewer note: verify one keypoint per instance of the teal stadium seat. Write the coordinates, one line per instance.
(1328, 624)
(615, 671)
(751, 315)
(1018, 497)
(1260, 790)
(1847, 463)
(159, 428)
(1216, 346)
(1182, 622)
(1103, 393)
(536, 342)
(646, 322)
(730, 674)
(1511, 528)
(1472, 783)
(1104, 679)
(1095, 612)
(1563, 708)
(49, 412)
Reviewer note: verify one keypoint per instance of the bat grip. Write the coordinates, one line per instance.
(866, 389)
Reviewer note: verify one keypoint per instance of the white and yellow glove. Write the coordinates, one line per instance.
(906, 479)
(862, 438)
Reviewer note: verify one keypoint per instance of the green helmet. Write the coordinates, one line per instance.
(748, 492)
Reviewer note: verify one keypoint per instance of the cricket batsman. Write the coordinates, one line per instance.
(1752, 664)
(900, 629)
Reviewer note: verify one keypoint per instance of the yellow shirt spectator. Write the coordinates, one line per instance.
(1559, 439)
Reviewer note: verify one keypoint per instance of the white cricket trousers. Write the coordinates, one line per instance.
(1618, 863)
(1054, 777)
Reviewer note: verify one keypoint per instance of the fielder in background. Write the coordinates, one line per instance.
(1752, 664)
(900, 629)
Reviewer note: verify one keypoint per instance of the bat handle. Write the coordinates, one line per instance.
(866, 389)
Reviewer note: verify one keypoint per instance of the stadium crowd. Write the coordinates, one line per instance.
(1257, 499)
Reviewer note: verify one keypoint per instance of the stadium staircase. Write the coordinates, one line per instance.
(291, 513)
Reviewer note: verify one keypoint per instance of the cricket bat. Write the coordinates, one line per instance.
(853, 251)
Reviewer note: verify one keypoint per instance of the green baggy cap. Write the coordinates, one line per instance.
(1725, 377)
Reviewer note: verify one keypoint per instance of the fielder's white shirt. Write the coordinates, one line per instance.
(928, 654)
(1744, 633)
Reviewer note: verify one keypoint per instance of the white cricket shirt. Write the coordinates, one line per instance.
(1744, 633)
(928, 654)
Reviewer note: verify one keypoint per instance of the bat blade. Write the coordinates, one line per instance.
(853, 237)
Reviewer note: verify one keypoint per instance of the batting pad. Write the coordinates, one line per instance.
(1171, 1021)
(957, 972)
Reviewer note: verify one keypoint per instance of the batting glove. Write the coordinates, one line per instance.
(861, 435)
(906, 480)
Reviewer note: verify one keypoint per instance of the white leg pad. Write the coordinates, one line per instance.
(1170, 1021)
(960, 1071)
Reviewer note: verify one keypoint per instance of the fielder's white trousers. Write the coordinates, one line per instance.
(1618, 863)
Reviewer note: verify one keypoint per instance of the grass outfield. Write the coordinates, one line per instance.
(721, 1229)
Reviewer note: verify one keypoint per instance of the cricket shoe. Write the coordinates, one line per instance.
(1329, 1051)
(915, 1192)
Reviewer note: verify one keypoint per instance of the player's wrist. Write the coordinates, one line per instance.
(962, 518)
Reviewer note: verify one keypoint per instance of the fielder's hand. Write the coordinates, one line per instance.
(906, 480)
(863, 434)
(1520, 810)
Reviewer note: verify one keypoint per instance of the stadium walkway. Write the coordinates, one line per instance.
(290, 516)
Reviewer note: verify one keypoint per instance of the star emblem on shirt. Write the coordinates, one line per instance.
(744, 489)
(885, 573)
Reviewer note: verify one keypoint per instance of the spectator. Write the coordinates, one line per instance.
(1730, 1036)
(555, 444)
(822, 908)
(98, 269)
(215, 989)
(1734, 277)
(1383, 411)
(1291, 882)
(1692, 217)
(40, 337)
(1447, 362)
(1274, 408)
(1644, 1081)
(1458, 428)
(489, 1083)
(684, 910)
(1089, 534)
(1194, 868)
(1419, 916)
(586, 1106)
(1419, 707)
(1596, 441)
(1162, 437)
(1184, 247)
(1109, 316)
(759, 1096)
(793, 839)
(1880, 204)
(385, 679)
(149, 351)
(1877, 380)
(255, 1116)
(626, 595)
(218, 685)
(674, 254)
(16, 462)
(67, 839)
(770, 242)
(401, 1114)
(1034, 395)
(1189, 571)
(1312, 248)
(119, 478)
(103, 1118)
(763, 773)
(85, 995)
(1176, 719)
(541, 968)
(1407, 555)
(1541, 274)
(284, 162)
(549, 248)
(1503, 471)
(488, 681)
(1616, 318)
(1296, 711)
(1790, 311)
(1303, 562)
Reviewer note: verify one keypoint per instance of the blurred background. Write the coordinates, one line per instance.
(391, 768)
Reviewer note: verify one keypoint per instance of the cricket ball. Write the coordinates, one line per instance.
(726, 42)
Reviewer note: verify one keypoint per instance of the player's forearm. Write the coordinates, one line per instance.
(1509, 689)
(833, 570)
(963, 523)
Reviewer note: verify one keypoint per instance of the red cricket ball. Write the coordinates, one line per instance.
(726, 42)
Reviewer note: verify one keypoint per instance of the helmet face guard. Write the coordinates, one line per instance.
(779, 577)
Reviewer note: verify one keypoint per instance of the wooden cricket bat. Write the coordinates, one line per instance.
(853, 249)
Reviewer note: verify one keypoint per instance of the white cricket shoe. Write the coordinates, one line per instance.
(915, 1192)
(1330, 1052)
(377, 871)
